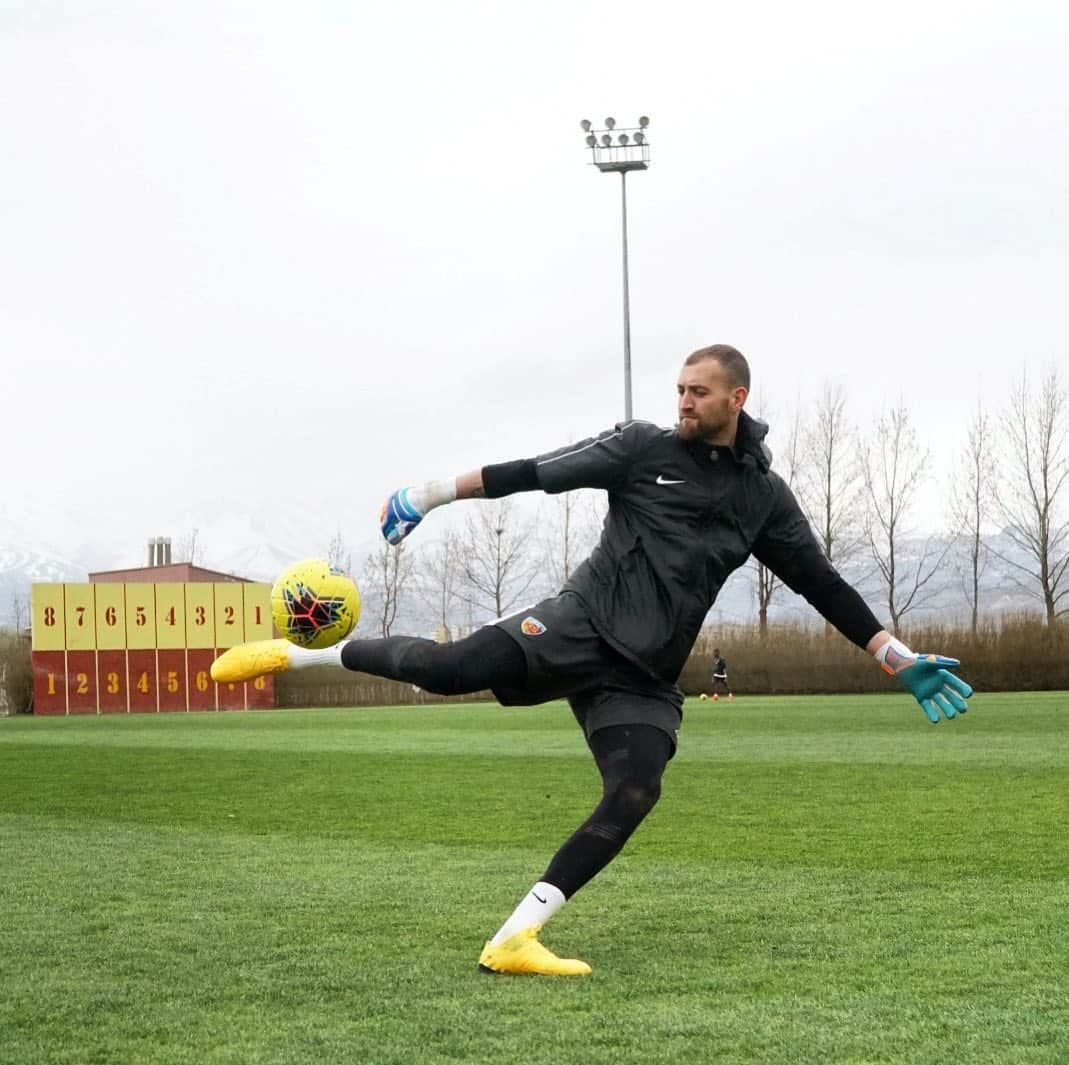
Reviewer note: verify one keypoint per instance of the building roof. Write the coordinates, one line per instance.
(174, 572)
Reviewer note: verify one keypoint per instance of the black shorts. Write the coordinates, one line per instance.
(568, 659)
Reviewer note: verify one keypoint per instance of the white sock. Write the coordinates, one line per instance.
(537, 907)
(302, 658)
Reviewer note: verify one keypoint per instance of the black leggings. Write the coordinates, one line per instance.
(631, 758)
(488, 658)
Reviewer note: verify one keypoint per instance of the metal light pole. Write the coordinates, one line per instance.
(629, 152)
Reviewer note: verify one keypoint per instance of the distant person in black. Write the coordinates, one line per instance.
(687, 506)
(720, 674)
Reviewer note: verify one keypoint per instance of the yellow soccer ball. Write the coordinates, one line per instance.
(703, 697)
(314, 605)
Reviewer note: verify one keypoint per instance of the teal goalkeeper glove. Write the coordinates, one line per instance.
(928, 679)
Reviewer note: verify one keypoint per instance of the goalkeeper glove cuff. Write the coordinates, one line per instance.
(432, 494)
(406, 508)
(894, 656)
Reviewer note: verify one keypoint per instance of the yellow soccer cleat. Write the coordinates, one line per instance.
(250, 660)
(522, 953)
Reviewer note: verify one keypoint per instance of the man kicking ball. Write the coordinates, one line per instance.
(687, 506)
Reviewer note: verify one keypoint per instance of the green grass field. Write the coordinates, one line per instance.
(825, 880)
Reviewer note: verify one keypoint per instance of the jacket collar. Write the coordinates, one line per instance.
(749, 441)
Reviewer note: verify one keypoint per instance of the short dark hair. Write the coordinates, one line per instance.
(731, 359)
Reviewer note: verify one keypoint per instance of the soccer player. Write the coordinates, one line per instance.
(687, 506)
(720, 675)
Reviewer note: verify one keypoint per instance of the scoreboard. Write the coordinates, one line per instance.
(108, 648)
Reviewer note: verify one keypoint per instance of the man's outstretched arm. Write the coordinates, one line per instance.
(598, 462)
(789, 549)
(926, 677)
(407, 507)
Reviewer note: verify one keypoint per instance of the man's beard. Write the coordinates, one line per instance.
(695, 429)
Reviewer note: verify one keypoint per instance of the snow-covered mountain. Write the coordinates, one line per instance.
(19, 568)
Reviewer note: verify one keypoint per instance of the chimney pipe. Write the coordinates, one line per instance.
(167, 551)
(151, 553)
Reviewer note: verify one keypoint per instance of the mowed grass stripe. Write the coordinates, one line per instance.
(1013, 822)
(1030, 729)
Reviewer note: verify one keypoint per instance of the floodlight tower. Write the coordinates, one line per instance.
(629, 151)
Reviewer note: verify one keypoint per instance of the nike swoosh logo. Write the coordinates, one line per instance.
(662, 480)
(539, 897)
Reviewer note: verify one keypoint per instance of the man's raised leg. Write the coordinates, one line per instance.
(488, 658)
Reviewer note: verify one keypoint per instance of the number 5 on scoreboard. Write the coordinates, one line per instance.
(141, 615)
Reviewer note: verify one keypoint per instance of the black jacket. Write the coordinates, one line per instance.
(682, 516)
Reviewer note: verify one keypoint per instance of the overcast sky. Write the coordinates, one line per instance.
(296, 255)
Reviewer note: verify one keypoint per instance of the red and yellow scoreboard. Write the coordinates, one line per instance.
(144, 648)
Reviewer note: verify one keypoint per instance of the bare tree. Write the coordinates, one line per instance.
(16, 674)
(498, 561)
(971, 503)
(386, 575)
(788, 464)
(893, 471)
(572, 528)
(1031, 488)
(832, 489)
(186, 547)
(18, 612)
(338, 554)
(437, 575)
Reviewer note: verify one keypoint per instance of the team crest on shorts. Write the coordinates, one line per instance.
(532, 627)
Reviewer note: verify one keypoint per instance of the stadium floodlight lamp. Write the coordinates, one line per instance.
(620, 153)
